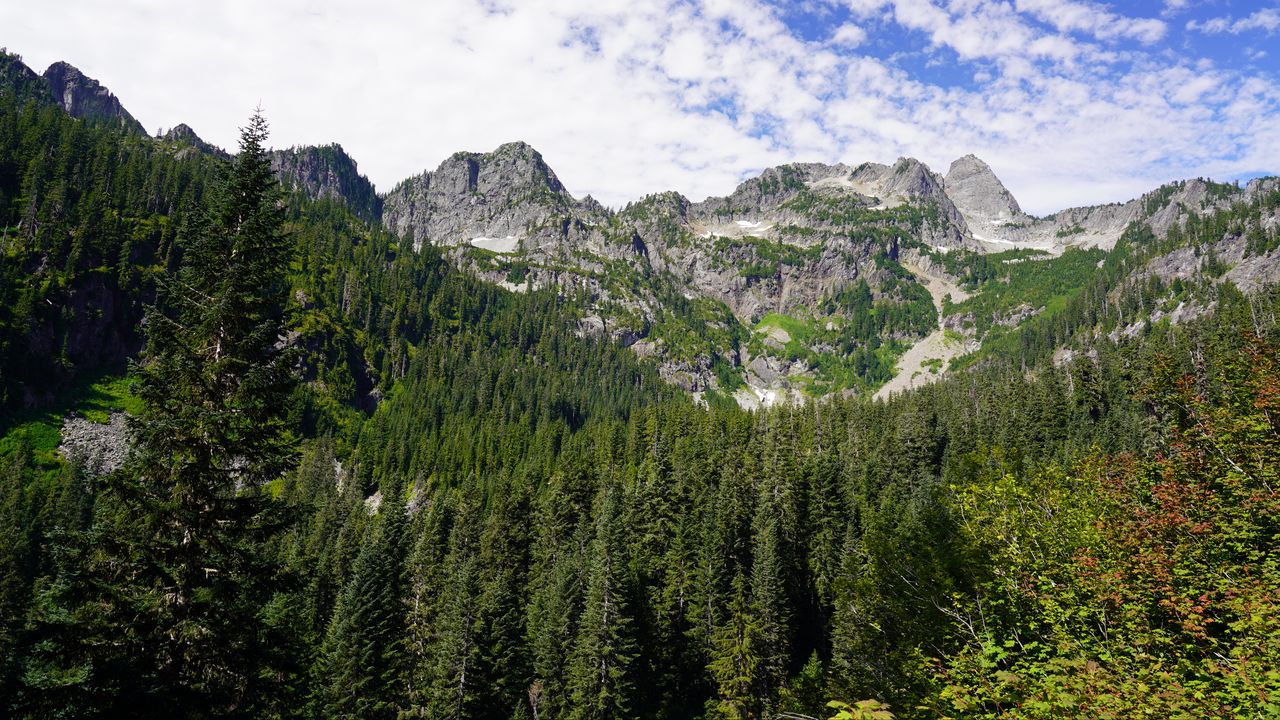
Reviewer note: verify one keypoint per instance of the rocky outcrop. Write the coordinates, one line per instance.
(83, 97)
(996, 222)
(327, 173)
(508, 193)
(977, 192)
(183, 137)
(101, 448)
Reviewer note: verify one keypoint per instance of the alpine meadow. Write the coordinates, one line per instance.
(854, 441)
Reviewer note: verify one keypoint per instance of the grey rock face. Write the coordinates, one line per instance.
(328, 173)
(997, 223)
(978, 193)
(508, 193)
(83, 97)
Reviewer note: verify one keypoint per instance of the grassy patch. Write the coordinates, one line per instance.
(93, 398)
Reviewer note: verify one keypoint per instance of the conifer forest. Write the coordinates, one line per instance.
(359, 475)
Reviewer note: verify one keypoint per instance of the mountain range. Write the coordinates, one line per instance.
(805, 280)
(474, 447)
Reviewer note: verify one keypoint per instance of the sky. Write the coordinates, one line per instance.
(1071, 102)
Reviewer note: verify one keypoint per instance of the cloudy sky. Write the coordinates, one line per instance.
(1070, 101)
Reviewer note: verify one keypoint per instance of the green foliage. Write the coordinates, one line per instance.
(857, 342)
(176, 563)
(861, 710)
(563, 535)
(361, 666)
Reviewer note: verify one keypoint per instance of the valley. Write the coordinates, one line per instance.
(863, 440)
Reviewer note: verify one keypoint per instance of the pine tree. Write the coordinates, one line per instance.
(448, 679)
(361, 663)
(13, 562)
(167, 617)
(769, 602)
(735, 661)
(599, 679)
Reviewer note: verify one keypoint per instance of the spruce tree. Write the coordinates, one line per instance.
(361, 661)
(165, 617)
(735, 659)
(599, 672)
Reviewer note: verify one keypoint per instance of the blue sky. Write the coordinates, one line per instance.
(1070, 101)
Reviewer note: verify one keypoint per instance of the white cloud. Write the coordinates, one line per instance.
(849, 35)
(627, 97)
(1267, 20)
(1070, 16)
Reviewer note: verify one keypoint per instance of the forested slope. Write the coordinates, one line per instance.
(487, 513)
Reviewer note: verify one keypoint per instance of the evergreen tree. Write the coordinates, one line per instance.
(599, 679)
(735, 662)
(361, 665)
(177, 568)
(450, 678)
(13, 563)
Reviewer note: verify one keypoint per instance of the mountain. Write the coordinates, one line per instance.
(774, 281)
(995, 220)
(804, 281)
(327, 172)
(22, 81)
(83, 97)
(979, 195)
(183, 136)
(498, 199)
(1028, 479)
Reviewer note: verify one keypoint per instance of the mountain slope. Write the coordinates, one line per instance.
(327, 173)
(83, 97)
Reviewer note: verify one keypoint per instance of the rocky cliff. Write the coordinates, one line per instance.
(184, 138)
(327, 172)
(501, 198)
(83, 97)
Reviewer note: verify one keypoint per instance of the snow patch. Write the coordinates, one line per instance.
(507, 244)
(752, 397)
(767, 397)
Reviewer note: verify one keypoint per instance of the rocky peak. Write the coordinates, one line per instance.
(974, 188)
(499, 194)
(83, 97)
(910, 178)
(668, 203)
(769, 190)
(16, 77)
(184, 136)
(327, 172)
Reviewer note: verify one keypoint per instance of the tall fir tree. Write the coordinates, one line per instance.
(599, 671)
(362, 661)
(163, 613)
(735, 660)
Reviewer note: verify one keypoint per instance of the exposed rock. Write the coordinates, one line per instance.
(83, 97)
(101, 448)
(1016, 316)
(995, 220)
(182, 135)
(327, 172)
(978, 193)
(508, 192)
